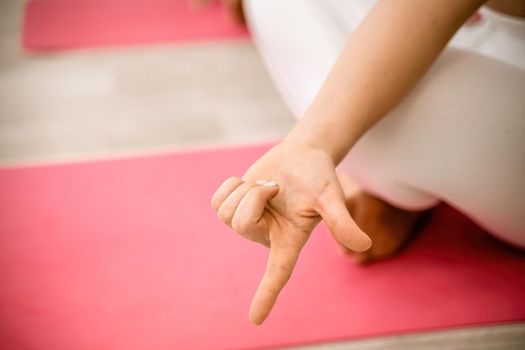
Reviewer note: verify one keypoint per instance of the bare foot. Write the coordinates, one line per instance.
(389, 228)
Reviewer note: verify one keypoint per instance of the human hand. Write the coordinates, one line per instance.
(277, 203)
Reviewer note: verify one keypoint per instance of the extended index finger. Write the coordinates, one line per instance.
(281, 263)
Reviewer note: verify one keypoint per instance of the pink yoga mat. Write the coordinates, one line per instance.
(68, 24)
(127, 254)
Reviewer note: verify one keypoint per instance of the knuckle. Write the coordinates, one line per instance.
(251, 186)
(271, 290)
(259, 191)
(278, 270)
(220, 192)
(224, 215)
(232, 179)
(241, 224)
(256, 195)
(215, 202)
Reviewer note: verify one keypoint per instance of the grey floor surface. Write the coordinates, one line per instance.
(123, 101)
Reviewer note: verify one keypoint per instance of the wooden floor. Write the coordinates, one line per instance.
(121, 101)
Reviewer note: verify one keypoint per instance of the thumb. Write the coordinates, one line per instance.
(334, 212)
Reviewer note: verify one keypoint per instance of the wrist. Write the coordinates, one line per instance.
(317, 134)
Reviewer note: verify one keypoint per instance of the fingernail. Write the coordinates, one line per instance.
(270, 184)
(261, 182)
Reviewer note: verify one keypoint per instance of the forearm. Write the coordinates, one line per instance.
(383, 60)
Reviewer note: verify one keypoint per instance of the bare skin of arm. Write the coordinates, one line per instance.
(383, 60)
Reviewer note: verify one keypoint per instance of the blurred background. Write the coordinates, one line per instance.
(122, 100)
(126, 100)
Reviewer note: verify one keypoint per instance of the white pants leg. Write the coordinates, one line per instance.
(458, 137)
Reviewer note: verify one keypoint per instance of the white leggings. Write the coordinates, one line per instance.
(458, 137)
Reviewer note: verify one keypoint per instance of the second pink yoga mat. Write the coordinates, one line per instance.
(69, 24)
(127, 254)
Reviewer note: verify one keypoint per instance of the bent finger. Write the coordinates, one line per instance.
(228, 207)
(248, 218)
(224, 190)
